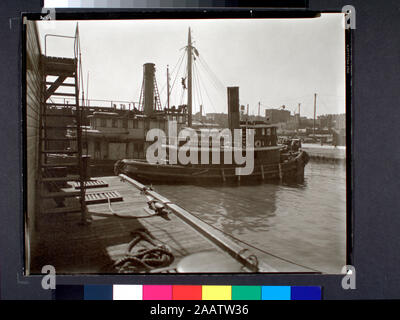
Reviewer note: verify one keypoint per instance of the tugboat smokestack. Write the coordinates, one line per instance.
(233, 108)
(148, 95)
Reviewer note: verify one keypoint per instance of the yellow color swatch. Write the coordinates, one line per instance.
(217, 293)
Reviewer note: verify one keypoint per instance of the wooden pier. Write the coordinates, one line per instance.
(73, 248)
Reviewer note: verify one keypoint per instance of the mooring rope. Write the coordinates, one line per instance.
(144, 259)
(119, 215)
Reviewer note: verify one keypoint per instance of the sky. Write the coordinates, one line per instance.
(274, 62)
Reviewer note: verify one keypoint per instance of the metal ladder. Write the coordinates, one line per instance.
(61, 134)
(157, 98)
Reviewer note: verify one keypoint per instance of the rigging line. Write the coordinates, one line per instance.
(254, 247)
(218, 87)
(181, 100)
(219, 82)
(214, 82)
(171, 73)
(181, 57)
(194, 92)
(208, 68)
(185, 76)
(212, 105)
(177, 71)
(183, 90)
(176, 75)
(198, 84)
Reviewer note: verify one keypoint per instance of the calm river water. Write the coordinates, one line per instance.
(303, 223)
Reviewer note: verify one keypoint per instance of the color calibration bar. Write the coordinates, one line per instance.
(137, 3)
(132, 4)
(186, 292)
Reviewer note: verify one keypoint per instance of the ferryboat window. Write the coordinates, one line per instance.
(138, 150)
(125, 123)
(103, 122)
(97, 150)
(114, 123)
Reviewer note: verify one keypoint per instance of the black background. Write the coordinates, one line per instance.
(376, 165)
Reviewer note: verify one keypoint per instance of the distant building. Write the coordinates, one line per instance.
(219, 118)
(277, 115)
(340, 122)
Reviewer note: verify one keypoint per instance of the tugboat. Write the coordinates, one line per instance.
(270, 160)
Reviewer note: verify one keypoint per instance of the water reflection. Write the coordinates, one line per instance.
(305, 222)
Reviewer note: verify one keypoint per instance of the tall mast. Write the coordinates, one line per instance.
(189, 71)
(168, 87)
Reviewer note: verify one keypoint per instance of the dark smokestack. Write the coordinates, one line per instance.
(148, 95)
(233, 108)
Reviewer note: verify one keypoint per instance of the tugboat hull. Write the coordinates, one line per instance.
(291, 169)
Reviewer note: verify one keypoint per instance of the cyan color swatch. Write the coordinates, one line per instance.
(275, 293)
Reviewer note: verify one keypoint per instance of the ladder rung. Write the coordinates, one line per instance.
(56, 165)
(61, 194)
(63, 94)
(60, 151)
(62, 210)
(60, 179)
(57, 127)
(60, 104)
(58, 115)
(59, 139)
(62, 84)
(58, 72)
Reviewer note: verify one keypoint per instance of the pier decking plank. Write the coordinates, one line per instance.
(74, 248)
(92, 249)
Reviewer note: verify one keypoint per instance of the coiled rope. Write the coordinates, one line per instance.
(144, 259)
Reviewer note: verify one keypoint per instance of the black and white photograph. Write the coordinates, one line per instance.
(186, 145)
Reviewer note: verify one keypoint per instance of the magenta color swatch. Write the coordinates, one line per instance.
(153, 292)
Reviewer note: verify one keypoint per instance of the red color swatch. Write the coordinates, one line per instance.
(186, 292)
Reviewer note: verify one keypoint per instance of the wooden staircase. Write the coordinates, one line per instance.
(60, 145)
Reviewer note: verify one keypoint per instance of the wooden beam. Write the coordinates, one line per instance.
(218, 238)
(54, 86)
